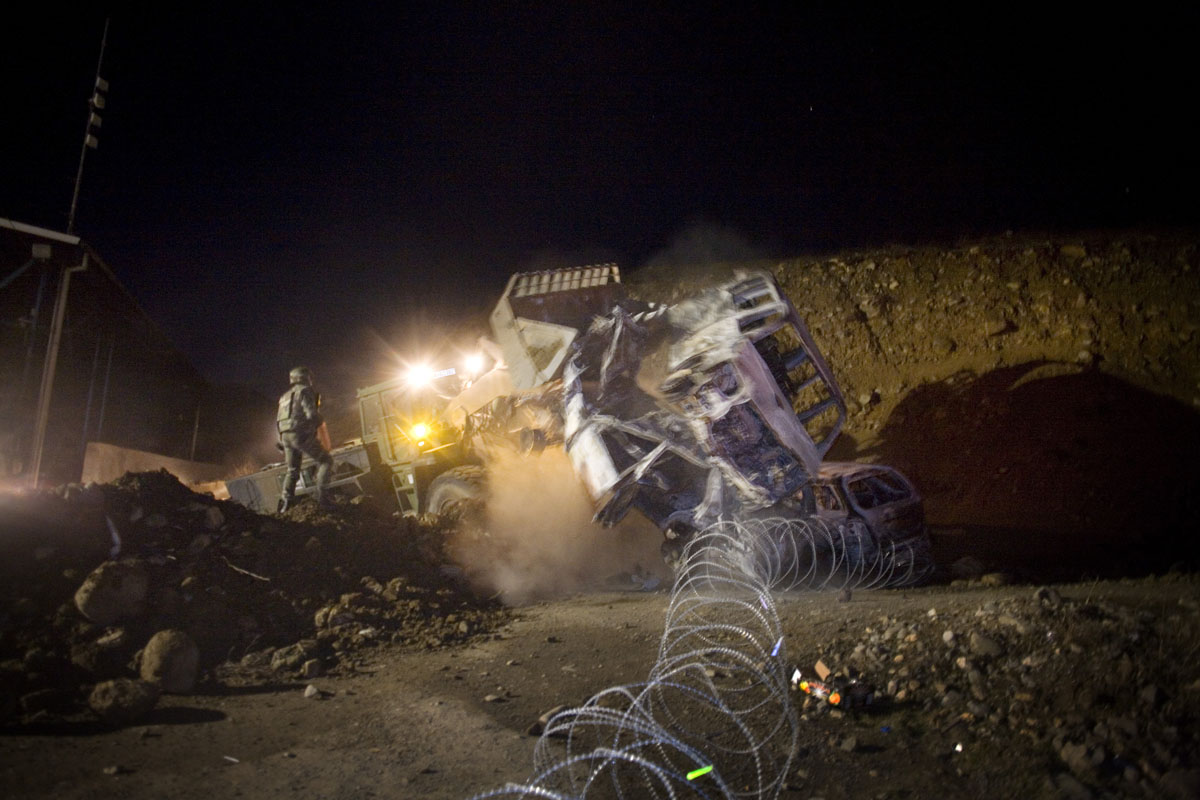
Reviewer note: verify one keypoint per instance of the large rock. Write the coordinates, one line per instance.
(124, 700)
(171, 659)
(114, 590)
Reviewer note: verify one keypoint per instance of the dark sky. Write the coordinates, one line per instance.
(327, 186)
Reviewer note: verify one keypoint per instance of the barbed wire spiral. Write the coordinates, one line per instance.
(714, 718)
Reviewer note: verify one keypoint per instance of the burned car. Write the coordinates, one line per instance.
(883, 500)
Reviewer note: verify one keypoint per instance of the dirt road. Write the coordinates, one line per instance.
(451, 723)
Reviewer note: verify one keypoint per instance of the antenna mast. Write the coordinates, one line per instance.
(95, 103)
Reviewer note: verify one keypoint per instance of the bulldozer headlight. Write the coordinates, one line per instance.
(419, 376)
(473, 365)
(420, 431)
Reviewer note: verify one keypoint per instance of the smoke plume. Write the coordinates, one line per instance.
(536, 540)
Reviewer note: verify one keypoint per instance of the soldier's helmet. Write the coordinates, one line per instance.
(301, 375)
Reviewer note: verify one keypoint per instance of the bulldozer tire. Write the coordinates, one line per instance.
(455, 490)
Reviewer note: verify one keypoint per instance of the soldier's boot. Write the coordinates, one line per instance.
(287, 497)
(324, 501)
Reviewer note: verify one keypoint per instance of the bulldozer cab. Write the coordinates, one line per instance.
(405, 421)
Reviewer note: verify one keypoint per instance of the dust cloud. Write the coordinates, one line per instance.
(535, 540)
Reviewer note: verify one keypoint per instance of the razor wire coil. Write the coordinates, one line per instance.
(714, 719)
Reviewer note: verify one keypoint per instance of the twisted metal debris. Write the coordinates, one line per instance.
(714, 718)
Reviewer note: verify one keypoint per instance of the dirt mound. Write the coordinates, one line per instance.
(92, 573)
(1042, 393)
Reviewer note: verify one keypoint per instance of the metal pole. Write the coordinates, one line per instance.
(87, 131)
(195, 431)
(31, 339)
(112, 340)
(44, 394)
(87, 411)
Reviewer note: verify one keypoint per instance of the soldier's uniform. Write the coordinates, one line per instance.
(298, 419)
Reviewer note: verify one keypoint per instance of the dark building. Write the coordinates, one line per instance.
(116, 378)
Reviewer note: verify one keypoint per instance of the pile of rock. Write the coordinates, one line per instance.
(114, 594)
(1093, 682)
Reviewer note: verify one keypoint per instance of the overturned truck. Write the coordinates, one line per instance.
(718, 407)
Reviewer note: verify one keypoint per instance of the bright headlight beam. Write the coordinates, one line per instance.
(419, 375)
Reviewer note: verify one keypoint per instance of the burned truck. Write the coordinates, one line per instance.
(717, 407)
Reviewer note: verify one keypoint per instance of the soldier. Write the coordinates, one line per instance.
(302, 432)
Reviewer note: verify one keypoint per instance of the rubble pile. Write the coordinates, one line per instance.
(112, 594)
(1099, 690)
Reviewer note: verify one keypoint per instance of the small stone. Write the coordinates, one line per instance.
(114, 769)
(538, 727)
(199, 544)
(1073, 252)
(213, 518)
(985, 646)
(312, 669)
(849, 744)
(1151, 695)
(844, 595)
(942, 345)
(493, 698)
(994, 579)
(1075, 756)
(1048, 597)
(311, 692)
(1014, 623)
(995, 326)
(1070, 787)
(948, 636)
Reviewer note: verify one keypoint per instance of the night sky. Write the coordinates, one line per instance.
(331, 187)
